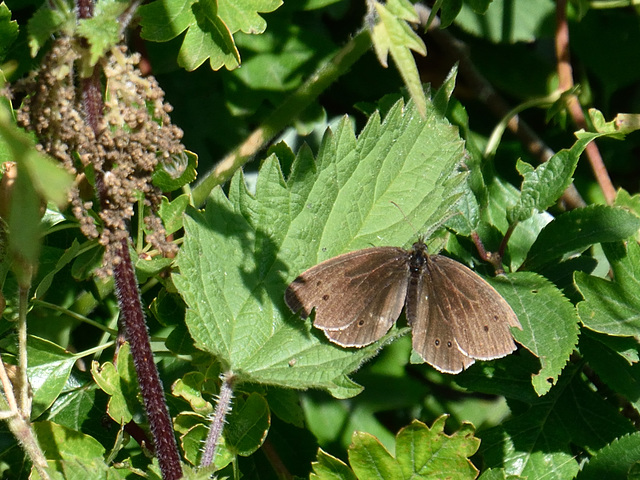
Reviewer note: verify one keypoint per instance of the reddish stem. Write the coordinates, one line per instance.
(565, 77)
(131, 306)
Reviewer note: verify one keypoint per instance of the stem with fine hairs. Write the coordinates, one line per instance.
(219, 419)
(130, 305)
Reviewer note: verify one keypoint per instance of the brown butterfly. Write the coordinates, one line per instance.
(456, 317)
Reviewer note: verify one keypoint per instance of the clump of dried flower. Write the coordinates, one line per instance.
(134, 135)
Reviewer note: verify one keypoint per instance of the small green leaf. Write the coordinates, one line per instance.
(613, 307)
(48, 371)
(48, 21)
(120, 383)
(428, 453)
(328, 467)
(393, 34)
(8, 31)
(189, 387)
(614, 461)
(542, 186)
(176, 172)
(102, 30)
(370, 460)
(207, 37)
(243, 14)
(574, 231)
(172, 212)
(247, 425)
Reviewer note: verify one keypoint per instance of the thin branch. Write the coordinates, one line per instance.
(485, 92)
(565, 76)
(288, 110)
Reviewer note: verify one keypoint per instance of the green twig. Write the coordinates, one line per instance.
(318, 82)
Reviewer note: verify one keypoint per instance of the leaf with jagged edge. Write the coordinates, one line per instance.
(241, 252)
(612, 307)
(543, 436)
(619, 459)
(209, 24)
(421, 453)
(392, 34)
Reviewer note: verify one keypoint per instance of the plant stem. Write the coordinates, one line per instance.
(282, 116)
(219, 415)
(131, 306)
(148, 377)
(565, 76)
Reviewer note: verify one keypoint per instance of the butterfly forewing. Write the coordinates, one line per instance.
(374, 281)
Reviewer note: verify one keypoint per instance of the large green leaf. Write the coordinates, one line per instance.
(241, 252)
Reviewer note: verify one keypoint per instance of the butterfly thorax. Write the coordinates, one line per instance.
(419, 257)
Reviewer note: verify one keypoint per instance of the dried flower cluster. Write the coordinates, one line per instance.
(135, 134)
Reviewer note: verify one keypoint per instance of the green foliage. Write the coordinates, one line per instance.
(421, 453)
(409, 156)
(564, 405)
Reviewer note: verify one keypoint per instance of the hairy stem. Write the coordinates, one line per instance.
(219, 415)
(131, 306)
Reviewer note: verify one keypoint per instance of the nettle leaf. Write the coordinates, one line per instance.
(421, 453)
(613, 307)
(544, 436)
(549, 321)
(207, 36)
(209, 24)
(102, 30)
(240, 254)
(619, 459)
(394, 35)
(574, 231)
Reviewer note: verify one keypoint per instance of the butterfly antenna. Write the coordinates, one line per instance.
(420, 237)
